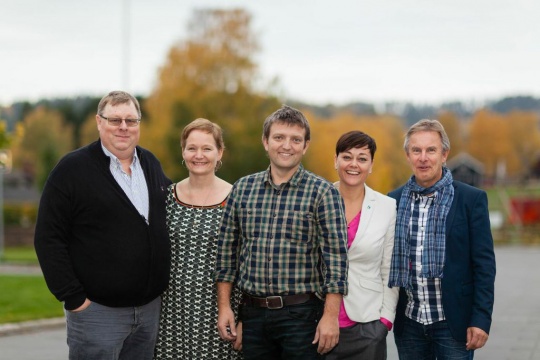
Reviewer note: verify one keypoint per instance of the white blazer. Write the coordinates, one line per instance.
(370, 254)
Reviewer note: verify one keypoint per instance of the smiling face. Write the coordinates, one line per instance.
(119, 140)
(353, 166)
(426, 157)
(201, 152)
(285, 145)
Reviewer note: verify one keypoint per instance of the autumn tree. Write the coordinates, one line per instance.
(524, 137)
(489, 142)
(507, 144)
(74, 112)
(455, 130)
(212, 74)
(44, 138)
(89, 131)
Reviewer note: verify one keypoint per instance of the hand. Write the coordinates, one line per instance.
(85, 304)
(476, 338)
(225, 324)
(237, 345)
(327, 334)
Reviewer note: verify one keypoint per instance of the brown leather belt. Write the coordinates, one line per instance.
(276, 302)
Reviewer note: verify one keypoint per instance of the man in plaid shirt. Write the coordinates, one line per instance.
(283, 243)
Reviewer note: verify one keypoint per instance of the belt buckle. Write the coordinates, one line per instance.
(274, 307)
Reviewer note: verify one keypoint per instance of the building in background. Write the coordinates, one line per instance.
(466, 169)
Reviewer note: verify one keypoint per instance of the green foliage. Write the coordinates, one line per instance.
(45, 138)
(26, 298)
(20, 213)
(48, 158)
(5, 138)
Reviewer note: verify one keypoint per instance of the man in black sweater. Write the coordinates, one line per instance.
(101, 238)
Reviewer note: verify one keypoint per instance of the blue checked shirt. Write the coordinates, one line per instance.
(283, 240)
(425, 297)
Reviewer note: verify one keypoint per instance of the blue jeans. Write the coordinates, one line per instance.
(285, 333)
(106, 333)
(429, 342)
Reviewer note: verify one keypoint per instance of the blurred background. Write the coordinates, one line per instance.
(375, 66)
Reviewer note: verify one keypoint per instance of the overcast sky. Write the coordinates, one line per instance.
(322, 51)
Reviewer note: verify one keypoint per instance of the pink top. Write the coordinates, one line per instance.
(352, 228)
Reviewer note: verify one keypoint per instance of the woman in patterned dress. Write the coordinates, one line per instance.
(194, 206)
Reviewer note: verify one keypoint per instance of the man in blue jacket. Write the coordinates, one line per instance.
(102, 241)
(443, 256)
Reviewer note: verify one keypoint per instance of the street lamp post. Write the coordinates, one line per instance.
(126, 45)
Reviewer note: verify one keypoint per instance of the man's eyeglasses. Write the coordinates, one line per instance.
(118, 121)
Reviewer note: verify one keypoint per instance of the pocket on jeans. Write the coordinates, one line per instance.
(247, 312)
(309, 311)
(86, 309)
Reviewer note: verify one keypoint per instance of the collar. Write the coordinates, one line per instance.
(293, 181)
(115, 160)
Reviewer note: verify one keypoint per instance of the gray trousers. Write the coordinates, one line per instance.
(365, 341)
(105, 333)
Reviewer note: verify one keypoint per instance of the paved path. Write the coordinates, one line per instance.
(19, 269)
(515, 333)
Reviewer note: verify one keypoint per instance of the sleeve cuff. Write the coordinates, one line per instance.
(75, 301)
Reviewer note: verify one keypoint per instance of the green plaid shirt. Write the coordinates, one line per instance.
(284, 240)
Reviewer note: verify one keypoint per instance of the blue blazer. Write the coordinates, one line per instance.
(468, 283)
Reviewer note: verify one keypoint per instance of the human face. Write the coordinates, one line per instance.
(285, 146)
(201, 153)
(353, 166)
(119, 140)
(426, 157)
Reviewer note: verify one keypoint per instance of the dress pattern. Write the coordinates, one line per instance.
(189, 305)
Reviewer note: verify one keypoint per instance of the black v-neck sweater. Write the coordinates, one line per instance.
(90, 239)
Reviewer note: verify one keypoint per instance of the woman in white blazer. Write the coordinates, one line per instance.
(368, 311)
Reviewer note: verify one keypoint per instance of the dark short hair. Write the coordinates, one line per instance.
(356, 139)
(286, 115)
(116, 98)
(206, 126)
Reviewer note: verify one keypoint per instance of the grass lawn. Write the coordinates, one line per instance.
(25, 297)
(497, 196)
(20, 255)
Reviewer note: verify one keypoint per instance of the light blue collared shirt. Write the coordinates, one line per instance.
(135, 185)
